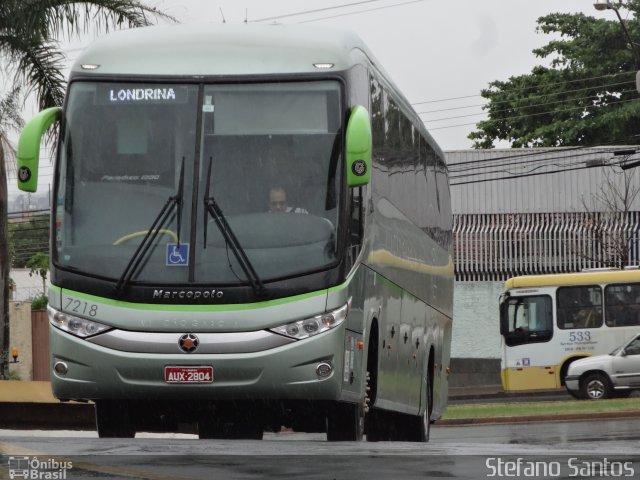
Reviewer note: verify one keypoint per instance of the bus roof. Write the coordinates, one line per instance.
(581, 278)
(223, 49)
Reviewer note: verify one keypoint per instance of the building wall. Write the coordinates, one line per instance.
(476, 329)
(20, 338)
(27, 286)
(533, 180)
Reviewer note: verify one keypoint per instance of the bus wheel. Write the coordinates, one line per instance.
(596, 386)
(113, 419)
(418, 427)
(345, 422)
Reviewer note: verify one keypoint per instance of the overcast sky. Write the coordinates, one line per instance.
(434, 50)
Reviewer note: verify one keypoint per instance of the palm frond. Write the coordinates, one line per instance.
(73, 18)
(10, 120)
(29, 29)
(39, 68)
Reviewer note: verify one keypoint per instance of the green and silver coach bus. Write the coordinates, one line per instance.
(177, 296)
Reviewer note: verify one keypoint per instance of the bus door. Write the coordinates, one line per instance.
(526, 325)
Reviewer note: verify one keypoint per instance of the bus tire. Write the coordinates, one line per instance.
(419, 427)
(113, 419)
(345, 422)
(596, 386)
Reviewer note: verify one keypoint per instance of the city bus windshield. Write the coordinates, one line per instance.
(527, 319)
(268, 153)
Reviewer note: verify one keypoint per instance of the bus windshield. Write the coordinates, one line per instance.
(142, 162)
(527, 319)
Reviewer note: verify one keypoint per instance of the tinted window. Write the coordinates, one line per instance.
(622, 305)
(579, 307)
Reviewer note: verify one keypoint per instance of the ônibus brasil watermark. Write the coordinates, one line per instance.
(34, 468)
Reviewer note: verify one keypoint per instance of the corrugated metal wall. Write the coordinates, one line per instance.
(518, 180)
(537, 223)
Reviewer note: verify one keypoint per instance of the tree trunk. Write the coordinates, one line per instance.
(4, 270)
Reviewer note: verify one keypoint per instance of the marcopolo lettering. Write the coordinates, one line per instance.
(141, 94)
(187, 294)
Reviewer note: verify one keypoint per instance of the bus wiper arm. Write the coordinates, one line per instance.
(212, 208)
(158, 223)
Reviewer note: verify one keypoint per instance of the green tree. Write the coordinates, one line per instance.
(27, 239)
(38, 264)
(29, 30)
(585, 96)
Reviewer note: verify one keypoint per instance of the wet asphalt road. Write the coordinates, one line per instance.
(570, 449)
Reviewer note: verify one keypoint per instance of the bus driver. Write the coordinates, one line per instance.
(278, 202)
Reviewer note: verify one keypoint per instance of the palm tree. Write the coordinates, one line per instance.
(29, 50)
(10, 120)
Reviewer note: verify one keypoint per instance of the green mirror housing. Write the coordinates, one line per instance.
(358, 145)
(29, 147)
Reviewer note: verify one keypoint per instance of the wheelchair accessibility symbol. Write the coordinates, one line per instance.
(177, 255)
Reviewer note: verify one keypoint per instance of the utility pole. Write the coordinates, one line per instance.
(607, 5)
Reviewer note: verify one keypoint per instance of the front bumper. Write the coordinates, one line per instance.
(572, 383)
(285, 372)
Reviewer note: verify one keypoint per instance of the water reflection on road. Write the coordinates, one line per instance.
(612, 435)
(460, 452)
(619, 435)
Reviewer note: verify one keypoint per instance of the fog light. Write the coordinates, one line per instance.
(324, 370)
(60, 368)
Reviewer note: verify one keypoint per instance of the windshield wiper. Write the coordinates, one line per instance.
(212, 208)
(157, 225)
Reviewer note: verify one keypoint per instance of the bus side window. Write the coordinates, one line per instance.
(622, 305)
(579, 307)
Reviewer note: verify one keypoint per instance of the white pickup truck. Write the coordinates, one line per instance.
(616, 374)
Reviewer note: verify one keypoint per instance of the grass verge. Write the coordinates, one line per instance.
(548, 408)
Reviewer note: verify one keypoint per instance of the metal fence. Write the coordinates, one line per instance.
(494, 247)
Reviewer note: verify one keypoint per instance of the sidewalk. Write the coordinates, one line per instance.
(26, 405)
(16, 391)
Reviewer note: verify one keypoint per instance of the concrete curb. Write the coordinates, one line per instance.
(47, 416)
(568, 417)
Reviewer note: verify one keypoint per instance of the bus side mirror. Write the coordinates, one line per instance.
(504, 321)
(29, 147)
(358, 147)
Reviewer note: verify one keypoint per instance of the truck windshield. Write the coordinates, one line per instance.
(268, 153)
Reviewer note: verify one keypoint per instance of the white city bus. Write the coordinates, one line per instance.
(177, 296)
(548, 321)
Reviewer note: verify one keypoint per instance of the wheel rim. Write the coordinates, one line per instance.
(595, 389)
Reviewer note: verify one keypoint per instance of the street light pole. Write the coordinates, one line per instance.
(607, 5)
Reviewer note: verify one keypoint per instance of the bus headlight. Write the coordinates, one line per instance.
(80, 327)
(314, 325)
